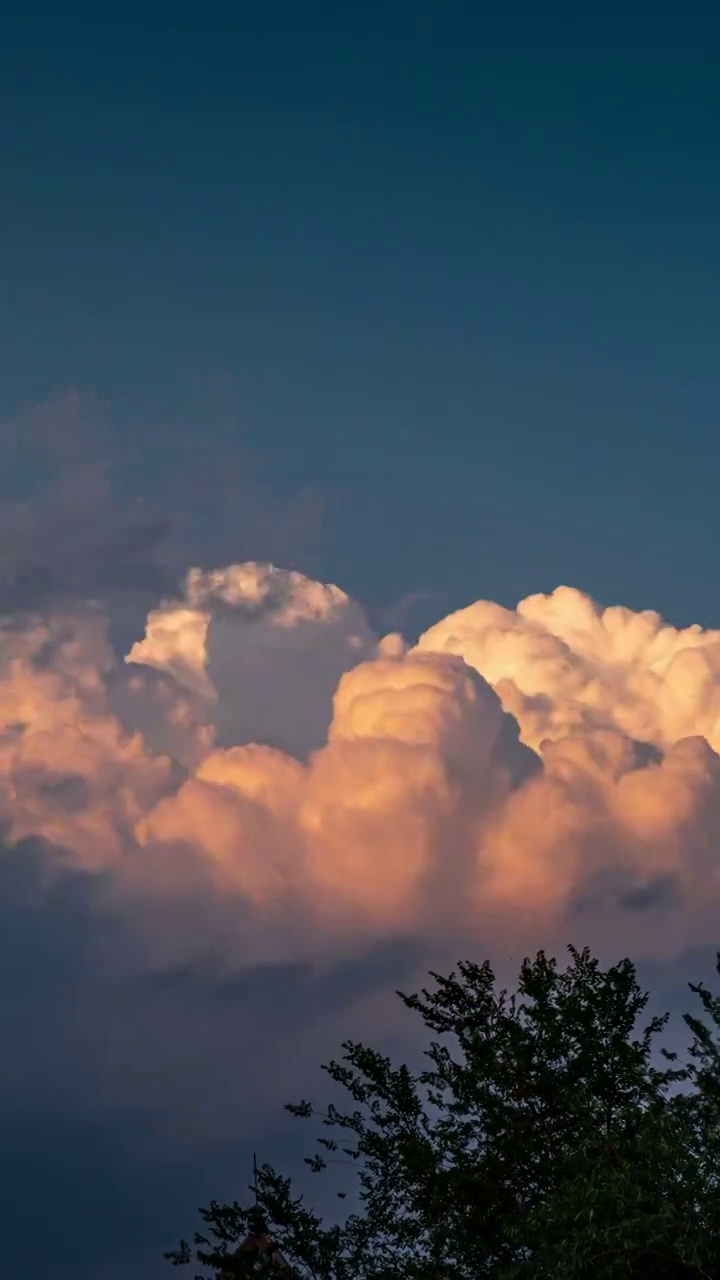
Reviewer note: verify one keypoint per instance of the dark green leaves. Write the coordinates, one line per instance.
(546, 1136)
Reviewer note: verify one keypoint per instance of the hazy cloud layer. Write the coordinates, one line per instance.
(90, 508)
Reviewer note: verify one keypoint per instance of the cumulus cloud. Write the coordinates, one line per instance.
(266, 646)
(261, 742)
(423, 807)
(69, 771)
(561, 664)
(353, 839)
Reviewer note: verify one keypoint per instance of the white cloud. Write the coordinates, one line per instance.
(561, 663)
(323, 788)
(268, 646)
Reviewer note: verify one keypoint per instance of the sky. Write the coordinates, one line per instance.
(334, 340)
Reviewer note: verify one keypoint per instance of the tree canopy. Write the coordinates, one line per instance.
(548, 1134)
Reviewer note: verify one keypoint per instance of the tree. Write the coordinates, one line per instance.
(549, 1135)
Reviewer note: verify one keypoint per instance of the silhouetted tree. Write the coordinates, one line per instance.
(548, 1136)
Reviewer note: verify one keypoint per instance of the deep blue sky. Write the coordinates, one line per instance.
(456, 270)
(460, 269)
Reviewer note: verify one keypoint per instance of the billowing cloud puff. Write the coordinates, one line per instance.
(601, 810)
(72, 769)
(561, 663)
(240, 810)
(267, 646)
(416, 759)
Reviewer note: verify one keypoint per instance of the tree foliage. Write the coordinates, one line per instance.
(548, 1134)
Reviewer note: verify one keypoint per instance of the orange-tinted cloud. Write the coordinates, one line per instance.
(420, 810)
(69, 770)
(562, 663)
